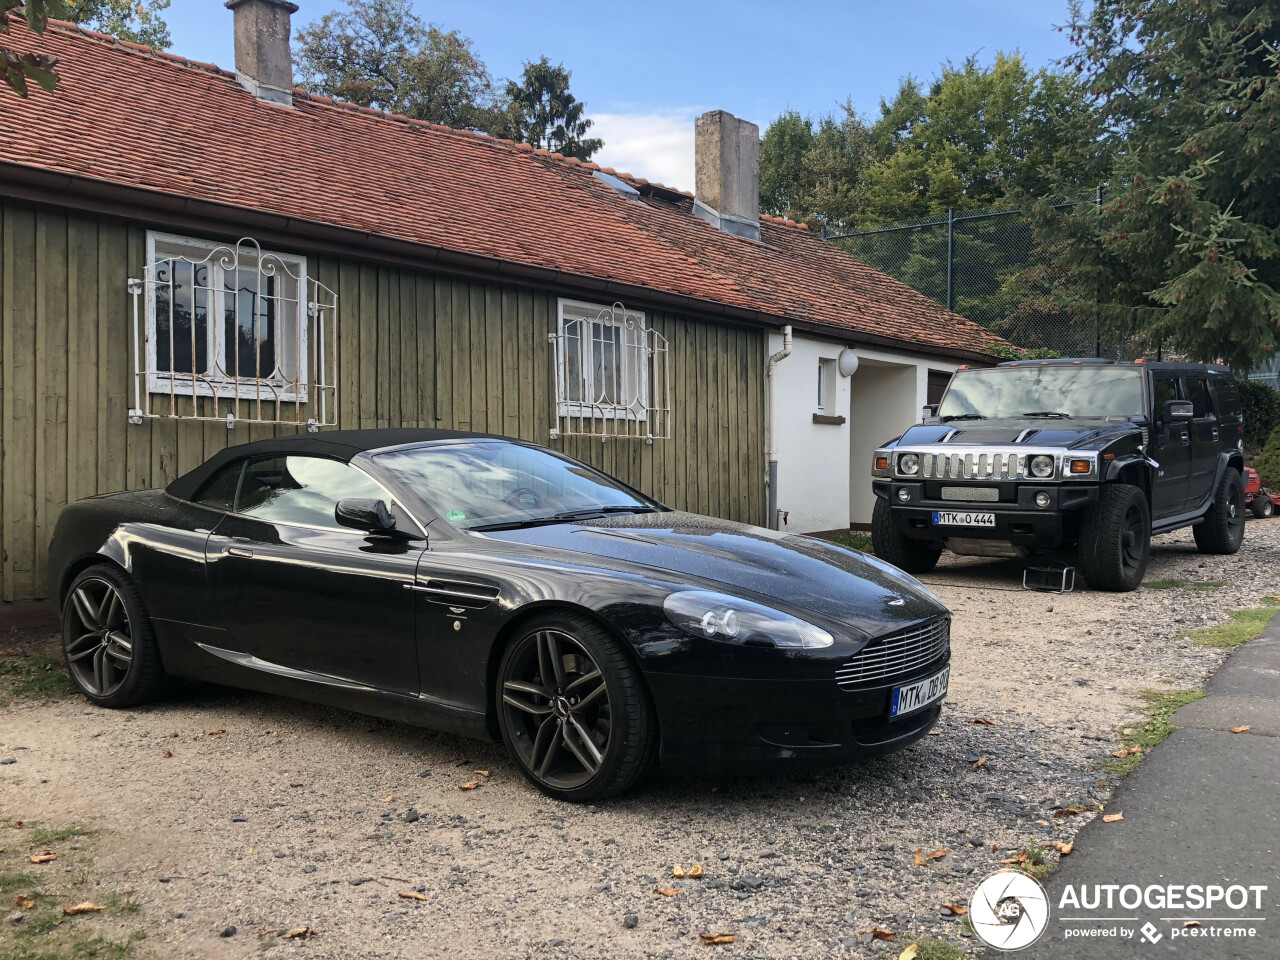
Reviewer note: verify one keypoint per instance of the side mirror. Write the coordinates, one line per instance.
(370, 516)
(1177, 411)
(929, 410)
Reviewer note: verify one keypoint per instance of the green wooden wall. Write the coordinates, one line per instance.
(415, 349)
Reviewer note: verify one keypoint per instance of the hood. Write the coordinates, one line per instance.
(1031, 431)
(797, 574)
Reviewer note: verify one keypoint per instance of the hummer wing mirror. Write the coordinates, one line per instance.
(1177, 411)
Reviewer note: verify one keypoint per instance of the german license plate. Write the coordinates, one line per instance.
(909, 699)
(963, 518)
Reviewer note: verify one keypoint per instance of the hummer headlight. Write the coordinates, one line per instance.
(909, 464)
(1042, 466)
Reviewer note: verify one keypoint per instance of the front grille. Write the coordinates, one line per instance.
(1001, 465)
(897, 654)
(983, 494)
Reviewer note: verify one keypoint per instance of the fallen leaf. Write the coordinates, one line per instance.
(24, 903)
(1068, 811)
(298, 932)
(980, 762)
(1063, 848)
(385, 799)
(267, 933)
(695, 871)
(1112, 817)
(167, 754)
(919, 858)
(712, 939)
(1020, 858)
(470, 785)
(414, 895)
(17, 824)
(85, 907)
(1190, 923)
(935, 733)
(937, 854)
(984, 721)
(955, 908)
(216, 733)
(879, 933)
(666, 891)
(47, 857)
(677, 872)
(910, 953)
(483, 773)
(1241, 729)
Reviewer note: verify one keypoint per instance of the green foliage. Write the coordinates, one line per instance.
(854, 540)
(1160, 707)
(1268, 462)
(933, 948)
(1186, 250)
(17, 68)
(540, 110)
(1178, 583)
(378, 53)
(1009, 352)
(815, 174)
(1243, 626)
(34, 674)
(1260, 406)
(138, 21)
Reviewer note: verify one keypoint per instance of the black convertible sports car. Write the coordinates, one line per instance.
(494, 588)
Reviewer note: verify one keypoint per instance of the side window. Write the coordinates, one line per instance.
(301, 489)
(1166, 388)
(220, 492)
(1201, 401)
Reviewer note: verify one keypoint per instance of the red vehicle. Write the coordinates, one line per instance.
(1257, 497)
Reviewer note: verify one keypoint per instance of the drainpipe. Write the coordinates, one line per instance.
(771, 446)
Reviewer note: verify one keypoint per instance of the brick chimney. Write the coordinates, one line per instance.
(727, 173)
(264, 62)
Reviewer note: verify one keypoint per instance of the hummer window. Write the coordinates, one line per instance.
(1048, 391)
(1166, 388)
(1201, 402)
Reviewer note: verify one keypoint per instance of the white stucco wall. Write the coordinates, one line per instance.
(824, 470)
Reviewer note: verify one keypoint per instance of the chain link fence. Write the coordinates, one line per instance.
(988, 267)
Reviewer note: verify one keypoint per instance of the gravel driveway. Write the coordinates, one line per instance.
(300, 816)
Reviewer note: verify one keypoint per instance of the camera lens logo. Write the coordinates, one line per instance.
(1009, 910)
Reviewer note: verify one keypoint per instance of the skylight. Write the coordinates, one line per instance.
(624, 188)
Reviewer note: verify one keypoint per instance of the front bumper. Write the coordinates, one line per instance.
(1018, 520)
(719, 726)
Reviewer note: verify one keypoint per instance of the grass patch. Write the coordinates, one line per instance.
(16, 882)
(1243, 626)
(1202, 586)
(36, 674)
(47, 836)
(1160, 706)
(854, 540)
(931, 948)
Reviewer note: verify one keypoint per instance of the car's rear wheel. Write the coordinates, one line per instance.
(107, 640)
(1263, 507)
(1222, 529)
(891, 544)
(1115, 539)
(572, 709)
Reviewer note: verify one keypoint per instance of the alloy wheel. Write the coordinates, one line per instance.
(555, 703)
(97, 637)
(1235, 511)
(1132, 541)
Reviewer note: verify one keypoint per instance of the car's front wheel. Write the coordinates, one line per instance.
(891, 544)
(1222, 529)
(1115, 539)
(573, 710)
(107, 640)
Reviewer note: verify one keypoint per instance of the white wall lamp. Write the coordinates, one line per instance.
(848, 362)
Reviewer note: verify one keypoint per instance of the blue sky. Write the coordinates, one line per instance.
(646, 70)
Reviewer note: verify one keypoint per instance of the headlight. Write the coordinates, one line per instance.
(909, 464)
(1042, 466)
(717, 616)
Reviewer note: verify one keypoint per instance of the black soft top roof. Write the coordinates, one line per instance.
(335, 444)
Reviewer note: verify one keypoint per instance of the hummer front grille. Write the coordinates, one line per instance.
(975, 466)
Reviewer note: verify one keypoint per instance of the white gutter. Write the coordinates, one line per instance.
(771, 447)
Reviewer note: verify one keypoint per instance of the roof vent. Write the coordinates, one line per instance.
(624, 188)
(264, 63)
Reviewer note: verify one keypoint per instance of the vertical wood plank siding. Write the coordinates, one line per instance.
(414, 349)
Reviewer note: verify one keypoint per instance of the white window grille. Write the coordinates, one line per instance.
(232, 333)
(611, 374)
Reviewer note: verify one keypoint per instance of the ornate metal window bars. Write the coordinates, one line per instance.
(231, 333)
(612, 375)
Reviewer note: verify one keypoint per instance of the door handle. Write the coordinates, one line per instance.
(1214, 433)
(239, 552)
(1186, 438)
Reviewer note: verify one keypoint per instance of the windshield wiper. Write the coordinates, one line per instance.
(963, 416)
(1055, 414)
(568, 516)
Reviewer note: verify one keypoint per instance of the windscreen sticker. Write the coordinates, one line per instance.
(454, 516)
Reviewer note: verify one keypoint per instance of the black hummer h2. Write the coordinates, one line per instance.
(1053, 456)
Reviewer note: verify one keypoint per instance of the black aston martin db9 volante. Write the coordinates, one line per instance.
(497, 589)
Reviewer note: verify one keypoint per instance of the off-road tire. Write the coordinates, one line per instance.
(145, 678)
(1108, 558)
(891, 544)
(633, 744)
(1263, 508)
(1222, 529)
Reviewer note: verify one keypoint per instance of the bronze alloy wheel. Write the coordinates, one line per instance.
(97, 637)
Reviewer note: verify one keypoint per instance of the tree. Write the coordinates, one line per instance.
(378, 53)
(1186, 249)
(41, 68)
(138, 21)
(540, 110)
(816, 175)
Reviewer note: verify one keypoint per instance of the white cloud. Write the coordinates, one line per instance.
(655, 145)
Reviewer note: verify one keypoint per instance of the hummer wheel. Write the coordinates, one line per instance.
(1115, 539)
(891, 544)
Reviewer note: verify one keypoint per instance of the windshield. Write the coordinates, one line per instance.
(483, 483)
(1050, 390)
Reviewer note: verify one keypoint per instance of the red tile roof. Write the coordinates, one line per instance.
(129, 117)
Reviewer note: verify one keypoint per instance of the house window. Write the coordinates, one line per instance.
(602, 364)
(826, 386)
(225, 321)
